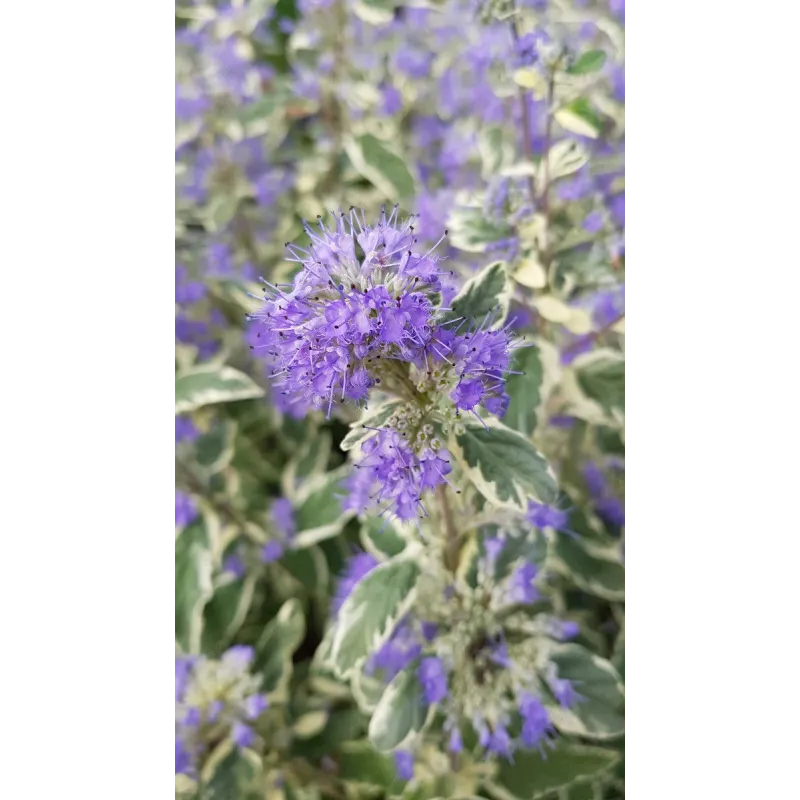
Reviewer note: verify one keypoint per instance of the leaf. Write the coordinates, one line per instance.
(205, 385)
(576, 320)
(591, 61)
(485, 295)
(579, 117)
(376, 418)
(214, 450)
(371, 612)
(225, 612)
(601, 377)
(503, 465)
(565, 158)
(524, 390)
(233, 776)
(531, 79)
(380, 537)
(320, 514)
(401, 712)
(471, 231)
(531, 273)
(383, 168)
(193, 586)
(277, 644)
(600, 714)
(359, 762)
(602, 577)
(531, 776)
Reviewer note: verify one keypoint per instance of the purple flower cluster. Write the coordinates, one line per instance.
(329, 331)
(185, 509)
(390, 472)
(214, 699)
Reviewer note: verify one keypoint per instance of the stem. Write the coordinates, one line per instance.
(452, 544)
(546, 255)
(527, 130)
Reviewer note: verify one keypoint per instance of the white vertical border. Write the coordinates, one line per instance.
(86, 287)
(712, 432)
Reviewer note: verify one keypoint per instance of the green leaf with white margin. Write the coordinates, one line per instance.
(381, 538)
(214, 450)
(503, 465)
(309, 462)
(367, 691)
(591, 61)
(600, 714)
(277, 644)
(401, 712)
(471, 231)
(377, 417)
(564, 158)
(225, 612)
(319, 516)
(598, 575)
(579, 117)
(382, 167)
(359, 762)
(372, 610)
(484, 296)
(532, 776)
(193, 586)
(206, 385)
(523, 390)
(601, 377)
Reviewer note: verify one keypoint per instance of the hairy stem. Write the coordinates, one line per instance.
(527, 129)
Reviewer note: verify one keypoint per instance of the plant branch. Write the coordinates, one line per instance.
(452, 545)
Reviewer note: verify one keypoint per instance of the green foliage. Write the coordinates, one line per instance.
(206, 385)
(483, 298)
(400, 714)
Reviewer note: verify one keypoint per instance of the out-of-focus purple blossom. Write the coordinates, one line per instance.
(616, 205)
(608, 306)
(612, 510)
(185, 509)
(536, 724)
(581, 345)
(433, 678)
(391, 100)
(404, 764)
(234, 565)
(185, 430)
(595, 480)
(183, 759)
(242, 735)
(402, 648)
(541, 515)
(255, 705)
(564, 692)
(357, 567)
(272, 551)
(593, 222)
(282, 515)
(522, 587)
(561, 421)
